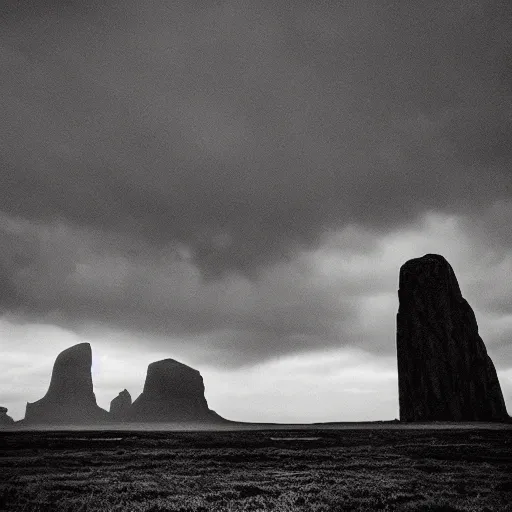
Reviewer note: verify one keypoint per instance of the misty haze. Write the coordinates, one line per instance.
(255, 256)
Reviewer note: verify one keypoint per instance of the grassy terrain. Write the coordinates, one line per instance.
(370, 469)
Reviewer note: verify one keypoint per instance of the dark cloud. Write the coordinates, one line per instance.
(244, 131)
(148, 145)
(77, 279)
(342, 294)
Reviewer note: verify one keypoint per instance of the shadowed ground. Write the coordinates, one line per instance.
(329, 469)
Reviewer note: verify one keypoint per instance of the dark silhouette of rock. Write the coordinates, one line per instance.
(173, 392)
(120, 405)
(70, 398)
(5, 420)
(444, 372)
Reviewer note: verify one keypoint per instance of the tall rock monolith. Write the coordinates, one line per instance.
(70, 398)
(173, 392)
(444, 371)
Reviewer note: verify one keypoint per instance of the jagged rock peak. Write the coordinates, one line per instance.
(70, 397)
(120, 405)
(173, 392)
(444, 372)
(5, 420)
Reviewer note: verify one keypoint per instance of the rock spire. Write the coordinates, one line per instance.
(444, 371)
(70, 398)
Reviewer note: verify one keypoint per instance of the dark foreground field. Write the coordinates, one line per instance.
(348, 469)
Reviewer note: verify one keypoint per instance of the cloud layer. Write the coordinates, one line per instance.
(235, 182)
(242, 132)
(342, 293)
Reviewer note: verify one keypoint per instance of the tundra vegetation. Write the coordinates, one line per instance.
(397, 468)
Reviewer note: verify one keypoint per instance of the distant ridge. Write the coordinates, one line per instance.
(173, 393)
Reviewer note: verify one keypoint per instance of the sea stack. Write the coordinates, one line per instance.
(120, 405)
(5, 419)
(173, 392)
(444, 372)
(70, 398)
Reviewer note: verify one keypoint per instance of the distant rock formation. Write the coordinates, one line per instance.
(120, 406)
(70, 398)
(444, 372)
(5, 420)
(173, 392)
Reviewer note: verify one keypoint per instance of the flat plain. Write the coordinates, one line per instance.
(457, 468)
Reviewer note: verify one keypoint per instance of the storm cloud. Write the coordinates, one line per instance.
(233, 176)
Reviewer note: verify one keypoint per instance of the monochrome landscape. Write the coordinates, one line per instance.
(196, 460)
(255, 256)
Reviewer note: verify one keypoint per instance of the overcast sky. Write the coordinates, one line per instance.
(236, 184)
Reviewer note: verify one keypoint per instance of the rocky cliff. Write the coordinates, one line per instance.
(444, 372)
(70, 398)
(173, 392)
